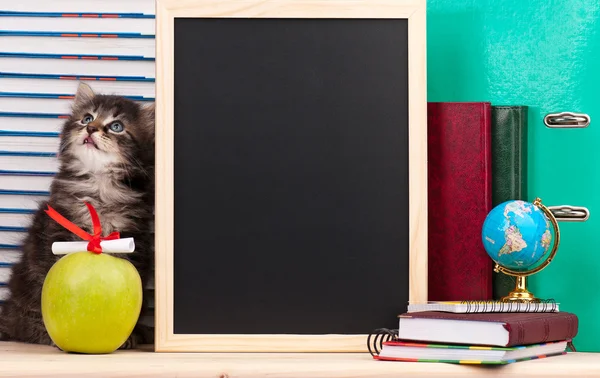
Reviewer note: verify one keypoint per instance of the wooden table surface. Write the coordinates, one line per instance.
(19, 360)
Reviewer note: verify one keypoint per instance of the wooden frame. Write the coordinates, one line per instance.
(166, 12)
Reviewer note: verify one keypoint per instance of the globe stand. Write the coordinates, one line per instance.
(520, 293)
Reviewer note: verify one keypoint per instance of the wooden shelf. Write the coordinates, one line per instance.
(19, 360)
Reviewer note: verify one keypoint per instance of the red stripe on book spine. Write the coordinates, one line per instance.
(109, 58)
(63, 117)
(90, 35)
(89, 57)
(68, 35)
(89, 15)
(108, 36)
(108, 79)
(68, 57)
(414, 345)
(87, 78)
(110, 16)
(66, 97)
(67, 78)
(69, 15)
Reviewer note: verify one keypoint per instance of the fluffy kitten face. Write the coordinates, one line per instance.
(106, 133)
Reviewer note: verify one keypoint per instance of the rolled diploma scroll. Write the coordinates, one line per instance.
(125, 245)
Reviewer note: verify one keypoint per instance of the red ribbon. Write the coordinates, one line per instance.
(94, 240)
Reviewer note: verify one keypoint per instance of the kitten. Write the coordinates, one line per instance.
(107, 159)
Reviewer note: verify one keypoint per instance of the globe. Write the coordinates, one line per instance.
(517, 235)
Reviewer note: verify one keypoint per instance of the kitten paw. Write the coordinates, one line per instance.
(53, 344)
(145, 334)
(45, 340)
(141, 335)
(130, 343)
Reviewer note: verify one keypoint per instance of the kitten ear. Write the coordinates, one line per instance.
(83, 95)
(149, 109)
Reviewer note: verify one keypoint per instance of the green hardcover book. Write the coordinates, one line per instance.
(509, 169)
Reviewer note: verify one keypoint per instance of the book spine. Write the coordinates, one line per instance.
(17, 75)
(39, 134)
(534, 331)
(33, 115)
(13, 229)
(61, 96)
(509, 170)
(4, 172)
(24, 192)
(6, 54)
(9, 246)
(27, 153)
(5, 13)
(17, 211)
(459, 192)
(14, 33)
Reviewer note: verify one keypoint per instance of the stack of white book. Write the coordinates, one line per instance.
(46, 49)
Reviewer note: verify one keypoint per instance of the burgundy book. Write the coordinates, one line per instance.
(460, 197)
(497, 329)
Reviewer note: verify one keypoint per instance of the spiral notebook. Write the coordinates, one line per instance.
(465, 307)
(467, 354)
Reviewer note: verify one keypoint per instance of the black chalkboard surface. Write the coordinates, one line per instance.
(290, 175)
(291, 172)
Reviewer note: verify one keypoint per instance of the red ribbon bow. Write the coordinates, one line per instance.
(94, 240)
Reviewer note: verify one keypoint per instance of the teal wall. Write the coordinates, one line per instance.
(544, 54)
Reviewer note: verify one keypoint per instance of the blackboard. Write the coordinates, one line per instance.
(290, 178)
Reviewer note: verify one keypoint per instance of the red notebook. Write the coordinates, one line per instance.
(498, 329)
(460, 197)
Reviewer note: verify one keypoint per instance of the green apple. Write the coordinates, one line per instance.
(91, 302)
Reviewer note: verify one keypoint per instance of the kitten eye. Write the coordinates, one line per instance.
(116, 127)
(87, 119)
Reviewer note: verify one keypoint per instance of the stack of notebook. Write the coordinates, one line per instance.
(488, 334)
(46, 49)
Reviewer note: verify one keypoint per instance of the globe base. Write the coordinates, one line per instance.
(520, 293)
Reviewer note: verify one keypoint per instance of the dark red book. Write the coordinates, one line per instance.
(498, 329)
(460, 197)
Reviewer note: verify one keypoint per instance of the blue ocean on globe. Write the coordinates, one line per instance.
(516, 235)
